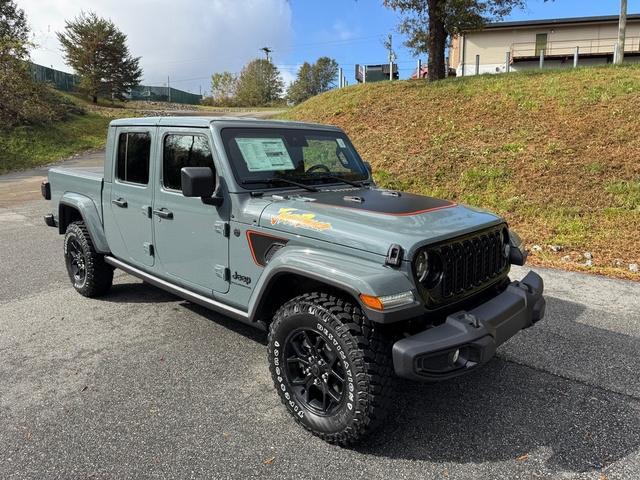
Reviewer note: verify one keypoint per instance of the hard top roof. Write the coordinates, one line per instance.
(204, 122)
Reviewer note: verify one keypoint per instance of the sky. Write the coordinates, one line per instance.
(187, 41)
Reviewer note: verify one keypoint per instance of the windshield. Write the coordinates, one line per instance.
(268, 157)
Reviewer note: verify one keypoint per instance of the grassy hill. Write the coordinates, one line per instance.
(30, 146)
(556, 152)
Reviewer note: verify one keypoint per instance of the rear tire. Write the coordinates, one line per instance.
(331, 367)
(88, 272)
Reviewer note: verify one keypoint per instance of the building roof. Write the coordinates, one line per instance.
(560, 21)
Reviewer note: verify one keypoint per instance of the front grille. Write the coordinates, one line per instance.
(470, 262)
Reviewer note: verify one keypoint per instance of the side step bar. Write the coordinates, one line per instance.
(182, 292)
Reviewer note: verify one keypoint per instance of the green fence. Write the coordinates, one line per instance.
(67, 82)
(60, 80)
(163, 94)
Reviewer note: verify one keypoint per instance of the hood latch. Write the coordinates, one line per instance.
(394, 256)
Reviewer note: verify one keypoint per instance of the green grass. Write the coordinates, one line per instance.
(626, 193)
(83, 100)
(28, 147)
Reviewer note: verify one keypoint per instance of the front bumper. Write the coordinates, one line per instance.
(468, 339)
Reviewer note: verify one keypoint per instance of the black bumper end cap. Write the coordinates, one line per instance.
(45, 189)
(535, 288)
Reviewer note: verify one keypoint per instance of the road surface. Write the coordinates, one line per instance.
(141, 384)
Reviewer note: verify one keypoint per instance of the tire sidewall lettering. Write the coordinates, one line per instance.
(322, 321)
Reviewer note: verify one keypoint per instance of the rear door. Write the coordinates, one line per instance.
(131, 195)
(541, 43)
(191, 238)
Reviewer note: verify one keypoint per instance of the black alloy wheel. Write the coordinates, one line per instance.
(314, 371)
(90, 275)
(76, 263)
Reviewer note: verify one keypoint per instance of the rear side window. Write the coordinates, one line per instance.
(134, 150)
(183, 151)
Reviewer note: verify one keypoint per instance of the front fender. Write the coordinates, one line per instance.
(89, 213)
(350, 274)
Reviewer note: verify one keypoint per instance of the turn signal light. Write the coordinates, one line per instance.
(387, 301)
(372, 302)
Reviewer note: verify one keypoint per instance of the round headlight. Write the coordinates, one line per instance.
(421, 266)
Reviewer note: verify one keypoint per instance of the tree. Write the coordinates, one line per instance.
(302, 87)
(325, 71)
(14, 32)
(23, 101)
(259, 84)
(428, 23)
(223, 88)
(98, 52)
(313, 79)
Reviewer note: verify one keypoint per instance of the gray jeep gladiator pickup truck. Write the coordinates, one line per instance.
(280, 225)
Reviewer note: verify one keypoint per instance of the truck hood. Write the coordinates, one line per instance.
(372, 219)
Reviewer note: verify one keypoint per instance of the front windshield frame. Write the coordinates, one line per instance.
(358, 170)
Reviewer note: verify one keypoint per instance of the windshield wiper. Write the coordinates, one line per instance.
(339, 179)
(274, 180)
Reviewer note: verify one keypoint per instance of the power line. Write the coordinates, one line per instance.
(370, 38)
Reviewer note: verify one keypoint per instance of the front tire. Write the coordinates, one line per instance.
(88, 272)
(331, 367)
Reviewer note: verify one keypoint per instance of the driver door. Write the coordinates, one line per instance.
(190, 237)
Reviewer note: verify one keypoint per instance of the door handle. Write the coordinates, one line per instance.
(163, 213)
(120, 202)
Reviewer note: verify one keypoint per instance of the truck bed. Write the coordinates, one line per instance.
(86, 181)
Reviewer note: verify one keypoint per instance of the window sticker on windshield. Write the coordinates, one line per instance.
(341, 143)
(265, 154)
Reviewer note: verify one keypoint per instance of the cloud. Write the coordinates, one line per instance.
(342, 31)
(184, 40)
(288, 73)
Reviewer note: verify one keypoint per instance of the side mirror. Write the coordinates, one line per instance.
(200, 182)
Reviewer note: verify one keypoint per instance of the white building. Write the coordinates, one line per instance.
(521, 43)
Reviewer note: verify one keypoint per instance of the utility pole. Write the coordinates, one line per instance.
(267, 51)
(618, 56)
(168, 89)
(390, 48)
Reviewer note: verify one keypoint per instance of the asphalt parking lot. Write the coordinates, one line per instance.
(141, 384)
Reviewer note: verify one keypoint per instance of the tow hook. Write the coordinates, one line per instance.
(471, 320)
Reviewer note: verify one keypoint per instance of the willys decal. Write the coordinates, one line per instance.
(287, 216)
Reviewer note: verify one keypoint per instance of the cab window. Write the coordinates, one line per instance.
(183, 151)
(134, 151)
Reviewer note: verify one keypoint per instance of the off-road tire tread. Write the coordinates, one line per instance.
(99, 273)
(373, 362)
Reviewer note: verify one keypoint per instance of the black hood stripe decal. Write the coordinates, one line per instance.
(374, 201)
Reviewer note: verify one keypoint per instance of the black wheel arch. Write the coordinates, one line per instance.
(67, 214)
(285, 284)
